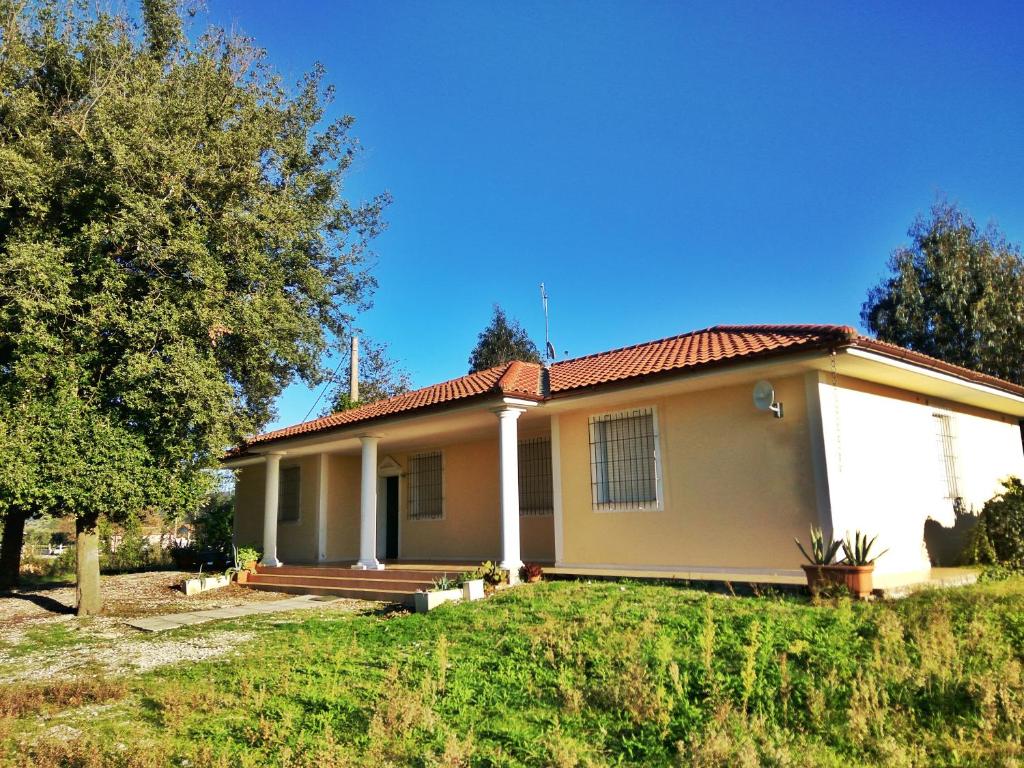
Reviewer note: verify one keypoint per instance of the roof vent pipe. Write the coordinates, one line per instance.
(353, 374)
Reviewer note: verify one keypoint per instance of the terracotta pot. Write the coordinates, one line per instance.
(856, 578)
(242, 576)
(859, 579)
(533, 579)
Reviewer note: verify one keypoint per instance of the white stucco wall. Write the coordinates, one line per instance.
(884, 469)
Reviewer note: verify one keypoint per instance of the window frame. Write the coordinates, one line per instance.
(947, 436)
(658, 504)
(409, 495)
(297, 520)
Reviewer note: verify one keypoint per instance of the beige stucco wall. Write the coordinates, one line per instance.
(885, 474)
(343, 508)
(296, 542)
(470, 529)
(738, 486)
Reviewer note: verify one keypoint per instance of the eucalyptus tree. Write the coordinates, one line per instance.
(175, 248)
(956, 293)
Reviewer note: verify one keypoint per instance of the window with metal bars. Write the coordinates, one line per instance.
(945, 435)
(426, 487)
(624, 460)
(536, 496)
(288, 485)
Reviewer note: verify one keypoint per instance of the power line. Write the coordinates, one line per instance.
(330, 381)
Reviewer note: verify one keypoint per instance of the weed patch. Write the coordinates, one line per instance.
(22, 700)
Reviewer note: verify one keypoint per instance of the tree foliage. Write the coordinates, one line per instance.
(175, 248)
(501, 342)
(999, 535)
(380, 377)
(956, 293)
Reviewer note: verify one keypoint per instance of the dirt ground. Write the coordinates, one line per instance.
(40, 636)
(124, 595)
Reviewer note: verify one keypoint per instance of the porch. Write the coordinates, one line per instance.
(416, 497)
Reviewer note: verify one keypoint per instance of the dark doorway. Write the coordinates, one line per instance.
(391, 517)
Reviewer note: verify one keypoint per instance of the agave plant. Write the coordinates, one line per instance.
(820, 553)
(444, 583)
(858, 551)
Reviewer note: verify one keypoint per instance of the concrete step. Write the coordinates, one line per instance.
(398, 596)
(401, 585)
(399, 574)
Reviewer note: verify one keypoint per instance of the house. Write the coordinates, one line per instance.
(652, 459)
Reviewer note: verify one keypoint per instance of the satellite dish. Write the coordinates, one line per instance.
(764, 398)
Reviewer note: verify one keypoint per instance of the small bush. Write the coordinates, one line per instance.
(999, 536)
(51, 568)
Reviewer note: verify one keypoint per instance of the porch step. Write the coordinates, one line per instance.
(400, 597)
(401, 585)
(343, 571)
(392, 585)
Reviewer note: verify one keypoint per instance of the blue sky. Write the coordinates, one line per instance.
(661, 167)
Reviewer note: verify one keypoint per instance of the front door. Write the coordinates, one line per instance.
(391, 517)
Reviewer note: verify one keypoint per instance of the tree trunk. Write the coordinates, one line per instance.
(87, 570)
(10, 548)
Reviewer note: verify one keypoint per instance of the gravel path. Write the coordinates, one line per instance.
(31, 618)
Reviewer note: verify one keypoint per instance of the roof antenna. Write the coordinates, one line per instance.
(549, 349)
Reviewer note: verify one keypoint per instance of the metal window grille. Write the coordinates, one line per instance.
(946, 443)
(536, 494)
(426, 499)
(623, 462)
(288, 495)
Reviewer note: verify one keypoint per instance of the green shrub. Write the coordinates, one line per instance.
(215, 523)
(999, 536)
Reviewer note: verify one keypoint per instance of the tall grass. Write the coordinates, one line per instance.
(569, 674)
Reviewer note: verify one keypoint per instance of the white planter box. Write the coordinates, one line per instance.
(473, 589)
(428, 601)
(195, 586)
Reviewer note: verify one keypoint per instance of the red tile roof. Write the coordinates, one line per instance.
(689, 351)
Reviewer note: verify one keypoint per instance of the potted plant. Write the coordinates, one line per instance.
(531, 573)
(246, 559)
(820, 567)
(493, 575)
(859, 565)
(444, 590)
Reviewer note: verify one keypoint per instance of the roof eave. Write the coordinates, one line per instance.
(426, 410)
(930, 363)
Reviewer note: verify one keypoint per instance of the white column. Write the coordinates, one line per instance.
(556, 488)
(321, 508)
(368, 507)
(270, 500)
(509, 454)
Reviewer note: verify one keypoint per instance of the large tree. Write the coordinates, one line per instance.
(502, 341)
(956, 292)
(175, 248)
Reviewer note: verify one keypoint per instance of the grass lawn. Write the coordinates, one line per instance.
(565, 674)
